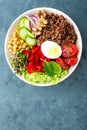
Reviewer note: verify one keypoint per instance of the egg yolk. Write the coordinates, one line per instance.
(53, 51)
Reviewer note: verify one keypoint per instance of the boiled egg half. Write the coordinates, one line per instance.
(51, 49)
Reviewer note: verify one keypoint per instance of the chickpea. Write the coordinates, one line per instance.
(24, 45)
(10, 41)
(14, 34)
(9, 46)
(21, 41)
(27, 48)
(13, 43)
(15, 39)
(19, 47)
(16, 30)
(14, 52)
(14, 47)
(18, 42)
(10, 50)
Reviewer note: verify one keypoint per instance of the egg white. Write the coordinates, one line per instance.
(51, 49)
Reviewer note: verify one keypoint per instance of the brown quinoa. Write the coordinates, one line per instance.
(58, 29)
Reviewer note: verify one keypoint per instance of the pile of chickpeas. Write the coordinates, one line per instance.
(15, 43)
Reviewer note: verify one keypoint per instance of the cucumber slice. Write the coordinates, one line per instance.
(31, 34)
(21, 22)
(24, 22)
(30, 41)
(23, 32)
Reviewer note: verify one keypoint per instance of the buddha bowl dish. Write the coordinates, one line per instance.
(43, 46)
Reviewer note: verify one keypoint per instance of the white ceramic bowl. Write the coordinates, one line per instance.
(78, 43)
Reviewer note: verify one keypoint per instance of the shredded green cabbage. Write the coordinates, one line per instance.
(43, 78)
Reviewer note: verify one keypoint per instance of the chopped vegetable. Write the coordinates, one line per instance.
(23, 32)
(33, 18)
(30, 41)
(18, 62)
(24, 22)
(62, 64)
(69, 49)
(36, 60)
(43, 78)
(30, 34)
(71, 60)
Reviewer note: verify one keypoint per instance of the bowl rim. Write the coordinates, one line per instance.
(54, 11)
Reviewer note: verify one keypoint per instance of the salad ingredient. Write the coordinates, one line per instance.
(62, 64)
(36, 24)
(42, 22)
(24, 22)
(69, 49)
(41, 14)
(31, 34)
(57, 29)
(35, 60)
(30, 41)
(23, 32)
(18, 62)
(33, 18)
(71, 60)
(37, 27)
(52, 68)
(43, 78)
(15, 43)
(51, 49)
(36, 33)
(30, 24)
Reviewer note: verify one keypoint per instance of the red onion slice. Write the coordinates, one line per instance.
(30, 25)
(33, 18)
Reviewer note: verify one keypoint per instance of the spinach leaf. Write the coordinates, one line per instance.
(48, 68)
(52, 68)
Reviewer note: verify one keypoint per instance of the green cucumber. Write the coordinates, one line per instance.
(31, 34)
(30, 41)
(24, 22)
(23, 32)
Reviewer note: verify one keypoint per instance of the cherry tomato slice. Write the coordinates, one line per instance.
(71, 60)
(62, 64)
(69, 49)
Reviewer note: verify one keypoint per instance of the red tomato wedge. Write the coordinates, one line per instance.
(69, 49)
(71, 60)
(62, 64)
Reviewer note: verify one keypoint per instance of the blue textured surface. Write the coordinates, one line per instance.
(61, 107)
